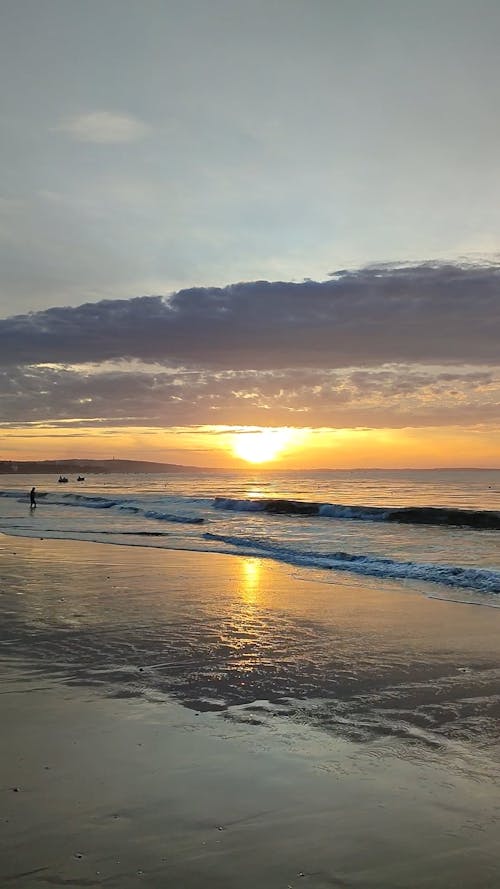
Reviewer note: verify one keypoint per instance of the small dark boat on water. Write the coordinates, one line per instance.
(81, 478)
(62, 479)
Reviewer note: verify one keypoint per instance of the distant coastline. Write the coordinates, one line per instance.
(89, 466)
(25, 467)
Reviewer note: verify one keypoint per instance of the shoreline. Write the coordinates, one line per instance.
(289, 634)
(399, 576)
(180, 718)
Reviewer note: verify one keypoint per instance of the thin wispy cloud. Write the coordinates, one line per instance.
(392, 396)
(104, 128)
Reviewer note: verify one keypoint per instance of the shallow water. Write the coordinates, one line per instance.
(226, 632)
(447, 540)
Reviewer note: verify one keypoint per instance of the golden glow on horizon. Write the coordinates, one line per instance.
(263, 445)
(213, 446)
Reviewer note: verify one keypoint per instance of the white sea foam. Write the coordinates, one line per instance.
(481, 579)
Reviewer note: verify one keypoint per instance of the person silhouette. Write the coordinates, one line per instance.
(32, 499)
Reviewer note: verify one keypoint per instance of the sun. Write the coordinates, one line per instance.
(262, 446)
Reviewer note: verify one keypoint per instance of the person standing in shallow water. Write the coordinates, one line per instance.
(32, 499)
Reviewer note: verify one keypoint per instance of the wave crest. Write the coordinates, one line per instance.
(418, 515)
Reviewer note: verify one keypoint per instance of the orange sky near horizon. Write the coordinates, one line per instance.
(228, 447)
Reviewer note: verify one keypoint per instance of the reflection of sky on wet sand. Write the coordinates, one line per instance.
(216, 631)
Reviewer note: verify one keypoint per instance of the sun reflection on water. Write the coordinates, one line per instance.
(255, 493)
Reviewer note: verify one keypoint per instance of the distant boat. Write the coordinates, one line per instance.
(81, 478)
(62, 479)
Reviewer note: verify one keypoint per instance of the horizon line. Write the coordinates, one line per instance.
(255, 467)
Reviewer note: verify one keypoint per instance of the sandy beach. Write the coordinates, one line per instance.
(183, 719)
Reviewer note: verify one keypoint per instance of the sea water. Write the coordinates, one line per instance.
(435, 530)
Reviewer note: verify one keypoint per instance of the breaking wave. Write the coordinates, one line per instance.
(481, 579)
(306, 542)
(413, 515)
(121, 504)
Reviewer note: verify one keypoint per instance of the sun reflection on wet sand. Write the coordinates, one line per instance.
(251, 571)
(310, 710)
(215, 632)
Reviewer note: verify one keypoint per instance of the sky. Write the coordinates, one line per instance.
(228, 216)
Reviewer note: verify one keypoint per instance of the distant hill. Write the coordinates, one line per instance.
(82, 467)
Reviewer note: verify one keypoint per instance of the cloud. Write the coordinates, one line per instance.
(391, 396)
(428, 314)
(104, 127)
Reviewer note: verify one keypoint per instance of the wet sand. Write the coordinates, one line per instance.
(178, 719)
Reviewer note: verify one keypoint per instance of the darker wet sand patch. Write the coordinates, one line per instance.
(178, 719)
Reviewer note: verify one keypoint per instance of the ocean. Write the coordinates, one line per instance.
(437, 531)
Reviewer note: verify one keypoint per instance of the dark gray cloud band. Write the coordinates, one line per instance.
(429, 313)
